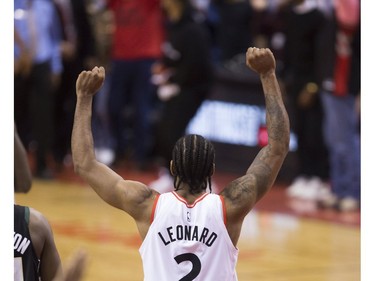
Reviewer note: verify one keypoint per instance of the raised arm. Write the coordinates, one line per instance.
(133, 197)
(242, 194)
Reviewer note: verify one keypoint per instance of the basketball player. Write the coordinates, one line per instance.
(35, 253)
(187, 234)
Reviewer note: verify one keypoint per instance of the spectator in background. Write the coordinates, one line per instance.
(136, 46)
(304, 64)
(184, 77)
(340, 91)
(268, 26)
(233, 31)
(78, 50)
(37, 45)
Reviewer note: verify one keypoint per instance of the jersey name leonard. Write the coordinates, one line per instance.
(188, 233)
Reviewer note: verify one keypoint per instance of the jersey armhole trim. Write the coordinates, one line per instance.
(224, 210)
(27, 215)
(154, 208)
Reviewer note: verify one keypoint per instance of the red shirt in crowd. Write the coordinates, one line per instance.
(139, 30)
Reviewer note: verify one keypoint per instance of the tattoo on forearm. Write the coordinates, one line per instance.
(276, 117)
(265, 167)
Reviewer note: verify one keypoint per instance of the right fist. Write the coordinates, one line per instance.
(260, 60)
(89, 82)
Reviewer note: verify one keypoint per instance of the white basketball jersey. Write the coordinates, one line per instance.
(188, 241)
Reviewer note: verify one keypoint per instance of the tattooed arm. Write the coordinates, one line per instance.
(241, 195)
(133, 197)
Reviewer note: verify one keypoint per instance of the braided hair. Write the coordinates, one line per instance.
(193, 163)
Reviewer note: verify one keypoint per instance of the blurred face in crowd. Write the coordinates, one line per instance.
(173, 4)
(167, 4)
(173, 8)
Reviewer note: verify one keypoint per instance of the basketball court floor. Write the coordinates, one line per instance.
(281, 239)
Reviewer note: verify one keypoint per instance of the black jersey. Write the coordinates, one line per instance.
(26, 262)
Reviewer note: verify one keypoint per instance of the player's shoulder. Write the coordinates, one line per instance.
(38, 221)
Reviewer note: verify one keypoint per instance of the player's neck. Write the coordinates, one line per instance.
(185, 193)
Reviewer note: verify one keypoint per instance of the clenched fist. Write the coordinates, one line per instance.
(260, 60)
(89, 82)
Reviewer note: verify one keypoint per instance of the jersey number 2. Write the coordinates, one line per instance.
(195, 262)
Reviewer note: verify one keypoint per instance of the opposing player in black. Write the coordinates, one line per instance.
(35, 253)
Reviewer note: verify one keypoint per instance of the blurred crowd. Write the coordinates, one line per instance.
(160, 58)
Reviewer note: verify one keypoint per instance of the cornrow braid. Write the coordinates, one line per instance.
(193, 159)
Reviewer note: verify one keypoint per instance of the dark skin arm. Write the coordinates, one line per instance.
(44, 245)
(22, 172)
(242, 194)
(133, 197)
